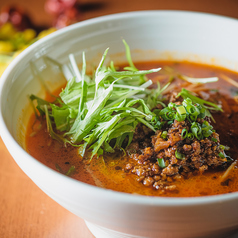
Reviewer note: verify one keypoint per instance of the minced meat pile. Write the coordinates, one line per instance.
(158, 161)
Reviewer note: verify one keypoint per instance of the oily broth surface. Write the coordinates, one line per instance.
(108, 173)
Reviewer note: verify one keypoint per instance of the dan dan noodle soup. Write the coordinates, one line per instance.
(170, 131)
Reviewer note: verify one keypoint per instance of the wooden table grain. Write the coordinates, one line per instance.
(25, 211)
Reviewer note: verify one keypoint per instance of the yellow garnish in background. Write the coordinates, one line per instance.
(13, 42)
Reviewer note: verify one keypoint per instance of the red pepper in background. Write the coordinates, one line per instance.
(16, 16)
(65, 12)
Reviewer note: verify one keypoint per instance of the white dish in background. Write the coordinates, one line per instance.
(182, 35)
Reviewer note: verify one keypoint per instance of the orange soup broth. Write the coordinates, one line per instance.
(108, 172)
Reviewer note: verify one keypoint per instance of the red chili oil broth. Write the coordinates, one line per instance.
(107, 172)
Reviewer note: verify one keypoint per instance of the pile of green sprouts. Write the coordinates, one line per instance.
(101, 112)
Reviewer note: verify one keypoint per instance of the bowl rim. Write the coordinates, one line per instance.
(114, 195)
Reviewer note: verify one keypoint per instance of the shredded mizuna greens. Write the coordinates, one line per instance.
(92, 112)
(100, 112)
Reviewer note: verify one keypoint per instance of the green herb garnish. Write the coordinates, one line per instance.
(179, 155)
(214, 139)
(192, 108)
(221, 155)
(184, 133)
(161, 163)
(101, 112)
(205, 104)
(164, 135)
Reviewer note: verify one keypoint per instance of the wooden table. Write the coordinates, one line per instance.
(25, 211)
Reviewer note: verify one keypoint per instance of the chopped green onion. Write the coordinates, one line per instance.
(181, 110)
(184, 133)
(187, 94)
(180, 117)
(223, 147)
(179, 155)
(171, 105)
(196, 130)
(167, 113)
(190, 136)
(181, 113)
(214, 139)
(169, 116)
(170, 122)
(202, 113)
(164, 134)
(193, 110)
(221, 155)
(186, 102)
(161, 163)
(193, 118)
(159, 124)
(206, 129)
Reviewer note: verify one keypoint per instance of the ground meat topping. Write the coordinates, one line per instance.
(197, 156)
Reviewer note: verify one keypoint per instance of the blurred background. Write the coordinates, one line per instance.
(24, 22)
(50, 12)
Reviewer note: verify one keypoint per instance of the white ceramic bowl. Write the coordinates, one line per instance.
(161, 34)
